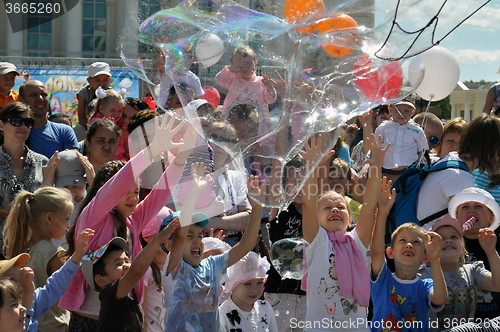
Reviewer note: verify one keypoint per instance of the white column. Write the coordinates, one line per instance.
(467, 112)
(14, 42)
(73, 23)
(453, 111)
(110, 28)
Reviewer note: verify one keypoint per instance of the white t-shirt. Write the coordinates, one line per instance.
(154, 313)
(406, 141)
(439, 187)
(260, 318)
(324, 304)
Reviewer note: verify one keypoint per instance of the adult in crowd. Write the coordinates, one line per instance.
(101, 143)
(451, 136)
(20, 167)
(492, 102)
(46, 137)
(476, 152)
(432, 126)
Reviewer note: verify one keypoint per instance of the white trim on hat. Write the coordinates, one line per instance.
(476, 195)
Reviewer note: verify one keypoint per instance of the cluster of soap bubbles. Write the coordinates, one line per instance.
(333, 68)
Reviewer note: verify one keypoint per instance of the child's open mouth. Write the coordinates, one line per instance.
(196, 252)
(408, 253)
(449, 247)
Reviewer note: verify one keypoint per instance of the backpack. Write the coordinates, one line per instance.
(407, 188)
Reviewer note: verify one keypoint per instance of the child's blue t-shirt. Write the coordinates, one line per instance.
(400, 304)
(194, 303)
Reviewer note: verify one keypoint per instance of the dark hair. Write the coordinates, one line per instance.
(297, 162)
(185, 91)
(102, 123)
(243, 111)
(137, 103)
(12, 109)
(99, 267)
(383, 109)
(154, 268)
(106, 172)
(140, 118)
(56, 116)
(8, 287)
(481, 141)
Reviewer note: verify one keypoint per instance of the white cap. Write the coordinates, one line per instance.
(476, 195)
(98, 68)
(7, 67)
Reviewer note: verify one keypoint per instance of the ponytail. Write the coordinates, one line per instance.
(26, 216)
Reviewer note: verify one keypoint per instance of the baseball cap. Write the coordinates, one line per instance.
(94, 254)
(447, 221)
(7, 67)
(18, 261)
(156, 224)
(405, 101)
(70, 170)
(98, 68)
(198, 218)
(476, 195)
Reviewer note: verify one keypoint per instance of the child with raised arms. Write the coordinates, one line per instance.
(337, 296)
(463, 279)
(401, 299)
(194, 303)
(112, 207)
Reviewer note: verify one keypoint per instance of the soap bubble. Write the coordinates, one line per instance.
(288, 258)
(333, 69)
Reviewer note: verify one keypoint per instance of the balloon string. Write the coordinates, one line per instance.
(424, 125)
(420, 31)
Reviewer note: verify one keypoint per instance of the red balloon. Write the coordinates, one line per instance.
(211, 95)
(381, 83)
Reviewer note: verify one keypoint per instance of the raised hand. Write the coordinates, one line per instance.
(487, 239)
(89, 169)
(165, 234)
(377, 152)
(198, 178)
(256, 190)
(82, 244)
(387, 197)
(220, 234)
(313, 152)
(163, 135)
(432, 244)
(269, 84)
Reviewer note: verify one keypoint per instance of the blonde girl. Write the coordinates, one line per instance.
(109, 105)
(34, 220)
(462, 277)
(342, 293)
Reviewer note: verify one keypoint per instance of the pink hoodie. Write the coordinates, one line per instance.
(98, 215)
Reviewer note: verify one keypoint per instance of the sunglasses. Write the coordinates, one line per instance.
(434, 140)
(17, 121)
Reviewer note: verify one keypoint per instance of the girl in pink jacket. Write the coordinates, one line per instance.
(112, 208)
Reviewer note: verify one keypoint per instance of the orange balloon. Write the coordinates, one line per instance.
(297, 11)
(335, 24)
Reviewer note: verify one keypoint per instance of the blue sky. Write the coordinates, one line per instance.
(476, 43)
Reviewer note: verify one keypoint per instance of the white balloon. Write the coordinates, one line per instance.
(209, 49)
(441, 74)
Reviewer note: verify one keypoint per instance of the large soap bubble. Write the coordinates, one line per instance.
(333, 69)
(288, 258)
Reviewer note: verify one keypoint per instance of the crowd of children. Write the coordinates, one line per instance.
(90, 251)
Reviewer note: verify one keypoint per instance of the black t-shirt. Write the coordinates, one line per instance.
(484, 309)
(287, 225)
(120, 315)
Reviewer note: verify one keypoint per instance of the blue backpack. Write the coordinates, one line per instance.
(407, 187)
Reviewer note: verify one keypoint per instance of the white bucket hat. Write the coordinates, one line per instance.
(476, 195)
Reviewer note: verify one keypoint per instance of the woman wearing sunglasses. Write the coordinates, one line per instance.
(20, 168)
